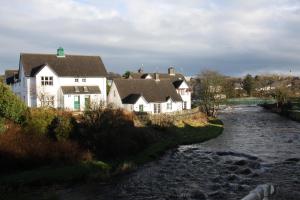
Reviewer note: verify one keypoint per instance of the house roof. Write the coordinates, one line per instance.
(80, 90)
(161, 76)
(150, 89)
(131, 99)
(11, 76)
(177, 83)
(70, 65)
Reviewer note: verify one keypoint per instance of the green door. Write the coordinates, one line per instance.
(87, 102)
(76, 102)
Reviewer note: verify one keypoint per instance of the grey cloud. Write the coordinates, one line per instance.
(235, 37)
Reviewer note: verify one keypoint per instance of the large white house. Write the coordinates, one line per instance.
(70, 82)
(151, 92)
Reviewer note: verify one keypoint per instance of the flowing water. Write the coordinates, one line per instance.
(256, 147)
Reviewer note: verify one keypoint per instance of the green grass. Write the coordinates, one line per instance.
(181, 135)
(56, 175)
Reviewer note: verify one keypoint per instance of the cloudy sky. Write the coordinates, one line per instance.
(234, 37)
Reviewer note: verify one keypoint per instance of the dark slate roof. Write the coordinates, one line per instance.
(131, 99)
(161, 76)
(11, 76)
(151, 90)
(70, 65)
(80, 89)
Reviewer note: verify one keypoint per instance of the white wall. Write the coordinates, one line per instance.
(114, 97)
(187, 96)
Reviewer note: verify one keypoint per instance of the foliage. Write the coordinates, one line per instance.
(25, 151)
(126, 74)
(209, 91)
(62, 126)
(11, 106)
(281, 94)
(248, 84)
(38, 121)
(2, 125)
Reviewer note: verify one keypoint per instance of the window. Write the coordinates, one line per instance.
(47, 101)
(157, 108)
(47, 80)
(141, 108)
(169, 106)
(83, 80)
(184, 105)
(76, 80)
(181, 91)
(114, 93)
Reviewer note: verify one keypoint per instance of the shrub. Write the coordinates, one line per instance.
(62, 126)
(11, 106)
(25, 151)
(38, 121)
(2, 125)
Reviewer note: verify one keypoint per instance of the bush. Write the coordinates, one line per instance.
(38, 121)
(11, 106)
(25, 151)
(62, 126)
(2, 125)
(112, 134)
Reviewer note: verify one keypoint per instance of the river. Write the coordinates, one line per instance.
(256, 147)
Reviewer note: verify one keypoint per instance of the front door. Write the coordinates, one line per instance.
(87, 102)
(76, 102)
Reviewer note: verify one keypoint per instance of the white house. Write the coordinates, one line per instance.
(151, 93)
(70, 82)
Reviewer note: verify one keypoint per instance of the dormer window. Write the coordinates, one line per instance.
(77, 89)
(47, 80)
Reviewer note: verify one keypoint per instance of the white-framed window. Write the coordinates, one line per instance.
(47, 101)
(169, 106)
(46, 80)
(83, 80)
(157, 108)
(76, 80)
(114, 93)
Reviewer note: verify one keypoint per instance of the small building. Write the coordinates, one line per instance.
(71, 82)
(151, 92)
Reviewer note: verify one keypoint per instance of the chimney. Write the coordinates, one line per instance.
(60, 52)
(156, 76)
(171, 71)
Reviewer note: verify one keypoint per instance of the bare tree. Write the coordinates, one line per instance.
(209, 87)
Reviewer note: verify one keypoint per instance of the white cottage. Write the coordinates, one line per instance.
(150, 93)
(70, 82)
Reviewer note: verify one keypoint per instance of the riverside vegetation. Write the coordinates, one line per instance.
(43, 146)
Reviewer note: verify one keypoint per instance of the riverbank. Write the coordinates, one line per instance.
(188, 131)
(288, 111)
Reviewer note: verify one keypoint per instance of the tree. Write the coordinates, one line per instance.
(11, 106)
(126, 74)
(248, 84)
(281, 94)
(209, 85)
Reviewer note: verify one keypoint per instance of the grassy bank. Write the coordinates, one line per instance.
(290, 110)
(183, 133)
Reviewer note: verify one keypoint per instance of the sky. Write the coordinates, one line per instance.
(234, 37)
